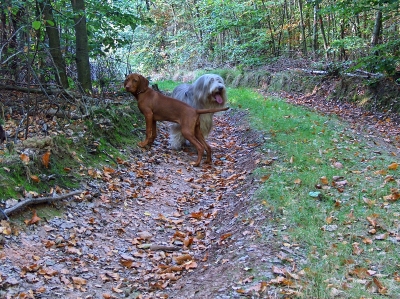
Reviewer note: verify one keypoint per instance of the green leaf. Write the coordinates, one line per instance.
(50, 22)
(36, 25)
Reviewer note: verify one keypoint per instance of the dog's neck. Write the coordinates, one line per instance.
(139, 92)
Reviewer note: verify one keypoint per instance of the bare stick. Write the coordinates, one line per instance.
(32, 201)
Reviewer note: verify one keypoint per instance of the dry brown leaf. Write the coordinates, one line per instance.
(46, 159)
(338, 165)
(381, 236)
(381, 288)
(297, 181)
(35, 179)
(117, 290)
(197, 215)
(225, 236)
(259, 288)
(279, 271)
(393, 166)
(24, 158)
(35, 219)
(324, 180)
(356, 249)
(329, 220)
(79, 280)
(181, 259)
(188, 241)
(190, 265)
(372, 221)
(264, 178)
(360, 272)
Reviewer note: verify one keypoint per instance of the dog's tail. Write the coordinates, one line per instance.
(211, 110)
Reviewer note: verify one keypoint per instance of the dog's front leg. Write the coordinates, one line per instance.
(150, 131)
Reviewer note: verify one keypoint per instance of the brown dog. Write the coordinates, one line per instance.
(158, 107)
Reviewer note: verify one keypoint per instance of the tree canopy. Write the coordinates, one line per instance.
(160, 35)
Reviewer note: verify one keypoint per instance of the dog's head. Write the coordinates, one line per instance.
(214, 87)
(136, 84)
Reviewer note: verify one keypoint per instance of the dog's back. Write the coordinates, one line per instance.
(184, 93)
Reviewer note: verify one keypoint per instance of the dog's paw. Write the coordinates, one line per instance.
(143, 143)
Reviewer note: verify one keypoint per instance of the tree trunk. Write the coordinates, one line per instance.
(82, 48)
(324, 36)
(377, 28)
(54, 43)
(303, 30)
(315, 29)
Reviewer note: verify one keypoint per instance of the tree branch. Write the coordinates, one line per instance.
(31, 201)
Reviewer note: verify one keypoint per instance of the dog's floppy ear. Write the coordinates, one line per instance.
(144, 83)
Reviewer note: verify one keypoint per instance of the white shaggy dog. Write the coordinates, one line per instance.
(208, 91)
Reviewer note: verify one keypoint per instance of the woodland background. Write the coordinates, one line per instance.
(87, 45)
(296, 204)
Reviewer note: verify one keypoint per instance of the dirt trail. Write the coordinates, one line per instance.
(217, 243)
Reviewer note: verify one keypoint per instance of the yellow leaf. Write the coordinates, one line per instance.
(393, 166)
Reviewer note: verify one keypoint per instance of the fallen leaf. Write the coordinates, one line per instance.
(35, 178)
(329, 220)
(264, 178)
(181, 259)
(279, 271)
(338, 165)
(297, 181)
(324, 180)
(46, 159)
(35, 219)
(79, 280)
(393, 166)
(225, 236)
(381, 288)
(24, 158)
(356, 249)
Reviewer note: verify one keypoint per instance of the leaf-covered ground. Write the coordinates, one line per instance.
(153, 227)
(156, 227)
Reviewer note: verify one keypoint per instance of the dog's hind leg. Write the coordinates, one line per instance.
(201, 139)
(188, 134)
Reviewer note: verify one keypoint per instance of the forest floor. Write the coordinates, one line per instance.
(156, 227)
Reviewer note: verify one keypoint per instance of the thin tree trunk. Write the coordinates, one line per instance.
(82, 48)
(315, 29)
(323, 36)
(377, 28)
(302, 28)
(271, 29)
(54, 43)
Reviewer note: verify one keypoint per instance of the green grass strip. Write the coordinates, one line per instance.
(330, 193)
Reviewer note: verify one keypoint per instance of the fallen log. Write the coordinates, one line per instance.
(155, 247)
(31, 201)
(32, 90)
